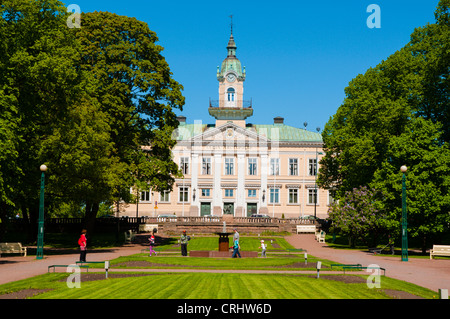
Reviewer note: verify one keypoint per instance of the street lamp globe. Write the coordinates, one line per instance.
(403, 169)
(43, 168)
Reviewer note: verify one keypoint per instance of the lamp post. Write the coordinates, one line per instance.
(404, 217)
(40, 238)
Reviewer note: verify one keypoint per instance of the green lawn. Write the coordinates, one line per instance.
(212, 286)
(211, 243)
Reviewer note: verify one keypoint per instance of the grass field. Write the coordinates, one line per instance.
(212, 286)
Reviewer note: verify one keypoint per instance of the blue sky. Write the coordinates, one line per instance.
(299, 55)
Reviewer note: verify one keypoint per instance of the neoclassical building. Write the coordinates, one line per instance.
(232, 167)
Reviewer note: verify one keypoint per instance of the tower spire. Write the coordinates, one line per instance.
(231, 24)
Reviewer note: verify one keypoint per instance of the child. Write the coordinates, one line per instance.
(152, 242)
(263, 246)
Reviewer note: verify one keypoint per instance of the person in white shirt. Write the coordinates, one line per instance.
(263, 247)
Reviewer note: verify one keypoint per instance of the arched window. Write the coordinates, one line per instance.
(230, 93)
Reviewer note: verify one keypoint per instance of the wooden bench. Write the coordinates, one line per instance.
(129, 236)
(306, 229)
(345, 265)
(55, 266)
(320, 236)
(13, 248)
(88, 262)
(440, 250)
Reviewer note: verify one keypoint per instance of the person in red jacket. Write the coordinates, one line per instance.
(82, 243)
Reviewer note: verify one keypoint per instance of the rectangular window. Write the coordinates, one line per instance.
(184, 194)
(252, 193)
(145, 196)
(184, 164)
(164, 197)
(229, 193)
(252, 166)
(274, 195)
(293, 196)
(206, 192)
(274, 166)
(312, 196)
(229, 166)
(206, 166)
(312, 167)
(293, 166)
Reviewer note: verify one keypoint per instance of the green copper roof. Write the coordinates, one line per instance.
(286, 133)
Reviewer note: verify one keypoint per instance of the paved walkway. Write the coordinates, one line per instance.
(432, 274)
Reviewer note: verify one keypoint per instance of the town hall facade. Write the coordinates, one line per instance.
(235, 168)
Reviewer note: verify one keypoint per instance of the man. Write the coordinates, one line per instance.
(184, 241)
(236, 248)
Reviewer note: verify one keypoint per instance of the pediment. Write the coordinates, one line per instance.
(230, 133)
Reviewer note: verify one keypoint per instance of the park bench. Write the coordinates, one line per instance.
(306, 229)
(129, 236)
(55, 266)
(147, 228)
(439, 250)
(345, 265)
(320, 236)
(13, 248)
(88, 262)
(359, 267)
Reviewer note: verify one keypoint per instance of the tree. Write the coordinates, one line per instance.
(138, 96)
(391, 114)
(427, 183)
(38, 84)
(357, 215)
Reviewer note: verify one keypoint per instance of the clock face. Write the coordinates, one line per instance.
(231, 77)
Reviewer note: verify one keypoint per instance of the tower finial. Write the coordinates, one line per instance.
(231, 17)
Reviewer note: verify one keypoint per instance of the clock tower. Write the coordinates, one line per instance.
(231, 105)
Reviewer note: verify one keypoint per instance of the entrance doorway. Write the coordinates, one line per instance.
(228, 208)
(205, 209)
(252, 208)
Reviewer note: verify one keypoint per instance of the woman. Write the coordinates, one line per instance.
(82, 241)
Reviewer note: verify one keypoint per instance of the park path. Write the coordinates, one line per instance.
(432, 274)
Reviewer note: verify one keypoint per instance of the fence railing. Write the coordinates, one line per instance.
(174, 219)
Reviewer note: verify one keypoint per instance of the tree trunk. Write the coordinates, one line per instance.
(90, 216)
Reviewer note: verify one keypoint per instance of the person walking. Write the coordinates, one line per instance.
(236, 248)
(152, 243)
(184, 241)
(82, 242)
(391, 244)
(263, 247)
